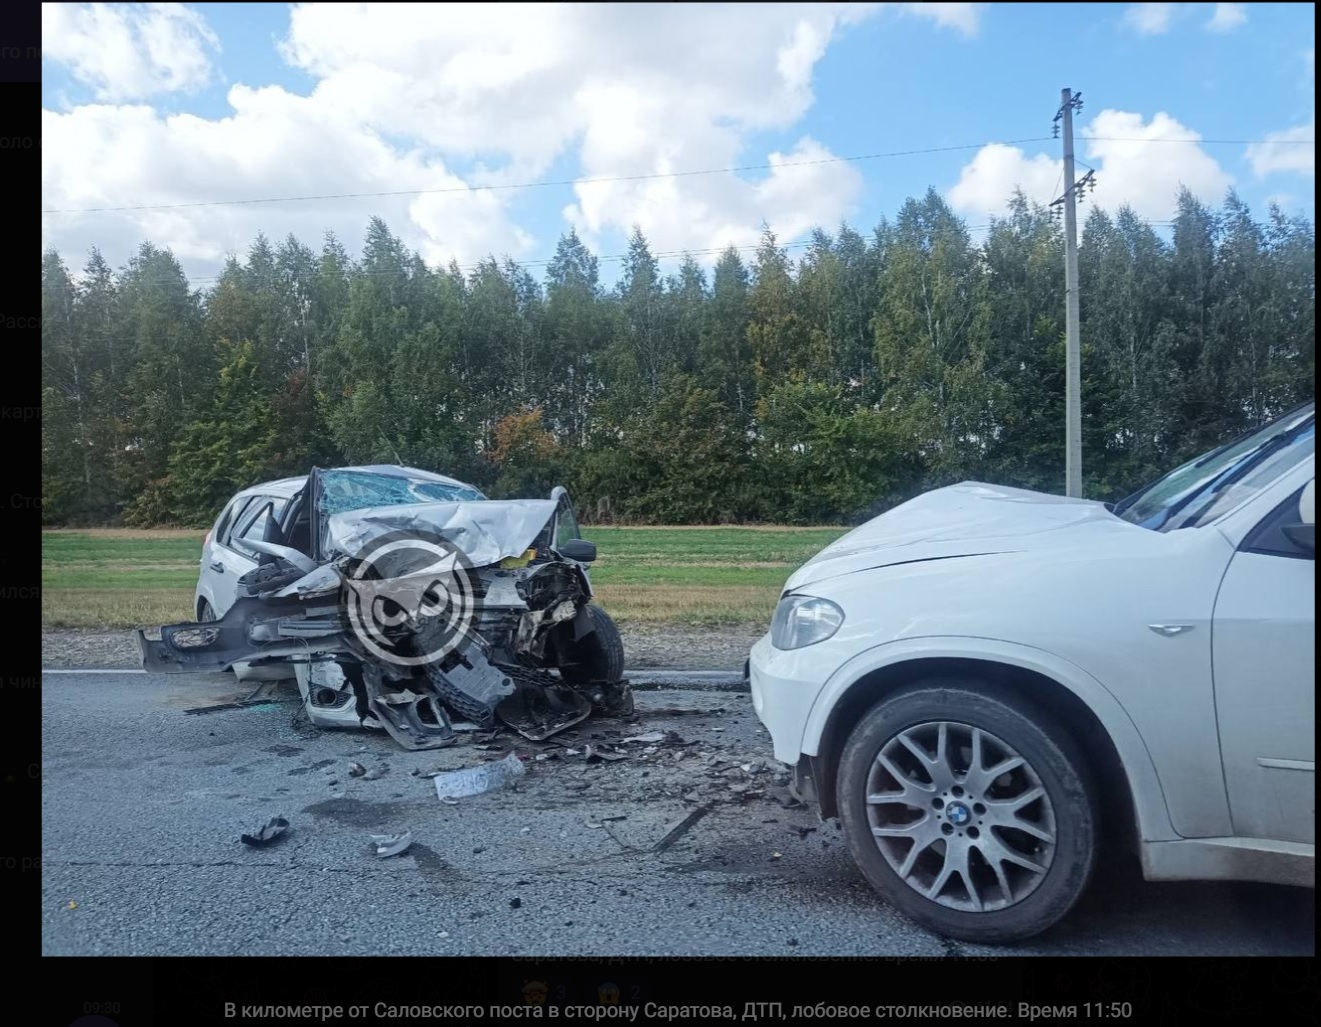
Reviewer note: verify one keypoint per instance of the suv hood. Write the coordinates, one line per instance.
(971, 519)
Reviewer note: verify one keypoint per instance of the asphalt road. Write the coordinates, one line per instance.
(143, 805)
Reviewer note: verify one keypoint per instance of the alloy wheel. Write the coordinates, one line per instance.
(960, 816)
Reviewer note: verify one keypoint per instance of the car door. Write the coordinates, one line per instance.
(230, 558)
(1265, 677)
(217, 581)
(210, 575)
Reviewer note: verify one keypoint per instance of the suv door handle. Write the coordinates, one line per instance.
(218, 567)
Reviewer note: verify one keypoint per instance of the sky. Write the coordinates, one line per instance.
(494, 128)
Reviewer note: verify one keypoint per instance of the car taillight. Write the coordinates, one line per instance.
(207, 541)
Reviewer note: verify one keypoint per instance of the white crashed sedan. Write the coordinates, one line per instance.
(993, 688)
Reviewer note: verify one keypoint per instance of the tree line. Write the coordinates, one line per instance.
(819, 389)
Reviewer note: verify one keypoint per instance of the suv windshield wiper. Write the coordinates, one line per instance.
(1126, 503)
(1234, 473)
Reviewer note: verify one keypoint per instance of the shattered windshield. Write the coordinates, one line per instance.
(356, 489)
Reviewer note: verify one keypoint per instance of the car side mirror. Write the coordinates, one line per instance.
(579, 550)
(1302, 535)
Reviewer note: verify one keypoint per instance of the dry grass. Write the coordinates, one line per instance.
(689, 604)
(130, 533)
(104, 608)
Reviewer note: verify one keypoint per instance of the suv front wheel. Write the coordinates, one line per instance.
(972, 814)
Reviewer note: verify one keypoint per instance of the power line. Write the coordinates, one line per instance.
(640, 178)
(559, 182)
(1214, 142)
(648, 177)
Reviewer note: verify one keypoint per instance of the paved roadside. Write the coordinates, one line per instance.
(649, 647)
(142, 806)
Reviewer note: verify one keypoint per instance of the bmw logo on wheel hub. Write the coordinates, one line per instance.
(958, 814)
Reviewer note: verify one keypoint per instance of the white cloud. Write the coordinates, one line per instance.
(1286, 151)
(274, 144)
(1136, 164)
(129, 51)
(1149, 19)
(990, 178)
(406, 93)
(964, 17)
(1226, 18)
(714, 211)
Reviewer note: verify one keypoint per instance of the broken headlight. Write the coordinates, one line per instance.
(804, 620)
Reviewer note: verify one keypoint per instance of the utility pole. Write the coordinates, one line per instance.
(1069, 102)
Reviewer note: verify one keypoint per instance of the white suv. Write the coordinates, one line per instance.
(993, 688)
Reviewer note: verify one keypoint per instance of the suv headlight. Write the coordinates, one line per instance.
(804, 620)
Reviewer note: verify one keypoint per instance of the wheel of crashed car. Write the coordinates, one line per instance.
(597, 657)
(972, 814)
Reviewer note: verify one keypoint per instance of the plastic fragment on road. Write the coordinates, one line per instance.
(488, 777)
(391, 844)
(267, 833)
(650, 736)
(682, 828)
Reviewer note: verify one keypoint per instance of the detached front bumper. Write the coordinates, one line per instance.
(252, 631)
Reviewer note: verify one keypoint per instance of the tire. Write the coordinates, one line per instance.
(599, 656)
(943, 799)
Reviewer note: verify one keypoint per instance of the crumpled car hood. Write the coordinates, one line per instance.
(486, 531)
(969, 519)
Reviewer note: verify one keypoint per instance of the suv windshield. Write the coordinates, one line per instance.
(1220, 480)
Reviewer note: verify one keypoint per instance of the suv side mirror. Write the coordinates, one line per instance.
(579, 550)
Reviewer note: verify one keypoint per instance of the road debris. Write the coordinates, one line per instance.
(486, 777)
(650, 736)
(682, 828)
(267, 833)
(514, 903)
(356, 770)
(391, 844)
